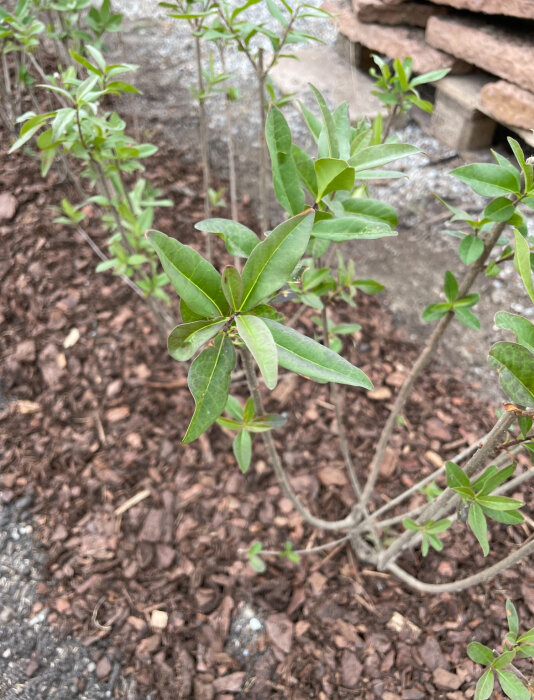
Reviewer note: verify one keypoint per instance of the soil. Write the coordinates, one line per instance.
(160, 598)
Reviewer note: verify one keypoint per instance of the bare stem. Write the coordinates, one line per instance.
(281, 475)
(261, 139)
(422, 360)
(441, 504)
(389, 123)
(204, 149)
(474, 580)
(303, 552)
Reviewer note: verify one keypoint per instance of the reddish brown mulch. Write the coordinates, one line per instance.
(87, 427)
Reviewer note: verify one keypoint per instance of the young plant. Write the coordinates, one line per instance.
(500, 666)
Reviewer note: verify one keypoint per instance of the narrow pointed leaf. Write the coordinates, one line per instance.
(196, 281)
(273, 260)
(371, 211)
(512, 686)
(450, 286)
(285, 174)
(306, 169)
(489, 179)
(515, 366)
(477, 523)
(522, 262)
(232, 286)
(329, 130)
(467, 317)
(350, 228)
(187, 338)
(512, 618)
(382, 154)
(259, 340)
(242, 447)
(305, 356)
(485, 685)
(209, 383)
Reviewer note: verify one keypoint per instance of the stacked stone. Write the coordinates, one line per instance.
(498, 40)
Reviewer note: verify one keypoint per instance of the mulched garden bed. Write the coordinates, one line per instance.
(89, 423)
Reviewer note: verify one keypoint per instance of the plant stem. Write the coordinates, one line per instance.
(435, 510)
(261, 77)
(474, 580)
(422, 360)
(203, 133)
(389, 123)
(282, 477)
(303, 552)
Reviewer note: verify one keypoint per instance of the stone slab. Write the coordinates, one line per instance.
(416, 14)
(394, 42)
(508, 104)
(512, 8)
(510, 55)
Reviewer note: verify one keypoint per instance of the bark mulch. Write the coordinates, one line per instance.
(92, 411)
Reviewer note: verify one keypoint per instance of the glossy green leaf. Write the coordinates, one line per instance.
(522, 327)
(435, 312)
(332, 175)
(371, 211)
(515, 366)
(187, 338)
(450, 286)
(258, 339)
(467, 318)
(232, 286)
(329, 131)
(477, 523)
(499, 502)
(500, 209)
(484, 687)
(273, 260)
(470, 249)
(507, 517)
(522, 262)
(239, 240)
(196, 281)
(305, 356)
(306, 169)
(489, 179)
(376, 156)
(209, 383)
(285, 174)
(527, 168)
(512, 686)
(349, 229)
(242, 448)
(455, 475)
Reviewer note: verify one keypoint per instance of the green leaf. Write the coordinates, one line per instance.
(489, 179)
(329, 130)
(522, 327)
(477, 523)
(512, 618)
(470, 249)
(424, 545)
(485, 685)
(455, 476)
(196, 281)
(469, 300)
(504, 659)
(515, 366)
(312, 122)
(480, 654)
(500, 209)
(434, 541)
(512, 686)
(522, 262)
(450, 286)
(234, 408)
(187, 338)
(376, 156)
(435, 312)
(209, 383)
(467, 317)
(371, 211)
(273, 260)
(232, 286)
(306, 169)
(499, 502)
(285, 174)
(507, 517)
(410, 524)
(239, 240)
(439, 526)
(242, 447)
(349, 229)
(332, 175)
(258, 339)
(305, 356)
(525, 167)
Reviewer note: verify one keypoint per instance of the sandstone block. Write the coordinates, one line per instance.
(513, 8)
(413, 13)
(395, 42)
(510, 55)
(509, 104)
